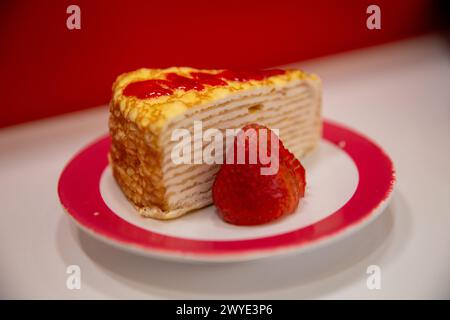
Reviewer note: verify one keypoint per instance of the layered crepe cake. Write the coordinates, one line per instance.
(148, 104)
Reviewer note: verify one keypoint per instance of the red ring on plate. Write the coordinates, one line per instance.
(79, 193)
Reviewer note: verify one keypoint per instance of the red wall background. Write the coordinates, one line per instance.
(47, 69)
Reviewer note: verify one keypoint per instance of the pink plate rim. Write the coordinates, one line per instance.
(79, 193)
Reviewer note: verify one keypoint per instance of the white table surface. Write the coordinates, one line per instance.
(397, 94)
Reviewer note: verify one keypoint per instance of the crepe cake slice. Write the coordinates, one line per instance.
(148, 104)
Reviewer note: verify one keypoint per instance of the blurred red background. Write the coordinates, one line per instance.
(47, 69)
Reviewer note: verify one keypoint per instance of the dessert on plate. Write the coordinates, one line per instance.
(149, 104)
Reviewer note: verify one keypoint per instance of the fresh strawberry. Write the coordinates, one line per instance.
(244, 196)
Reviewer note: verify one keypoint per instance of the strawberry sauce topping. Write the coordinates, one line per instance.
(147, 89)
(155, 88)
(175, 81)
(207, 78)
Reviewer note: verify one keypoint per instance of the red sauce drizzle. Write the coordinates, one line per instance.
(207, 78)
(147, 89)
(248, 75)
(156, 88)
(176, 81)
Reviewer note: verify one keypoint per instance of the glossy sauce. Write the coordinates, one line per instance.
(147, 89)
(155, 88)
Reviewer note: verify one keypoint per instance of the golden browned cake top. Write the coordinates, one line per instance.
(151, 97)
